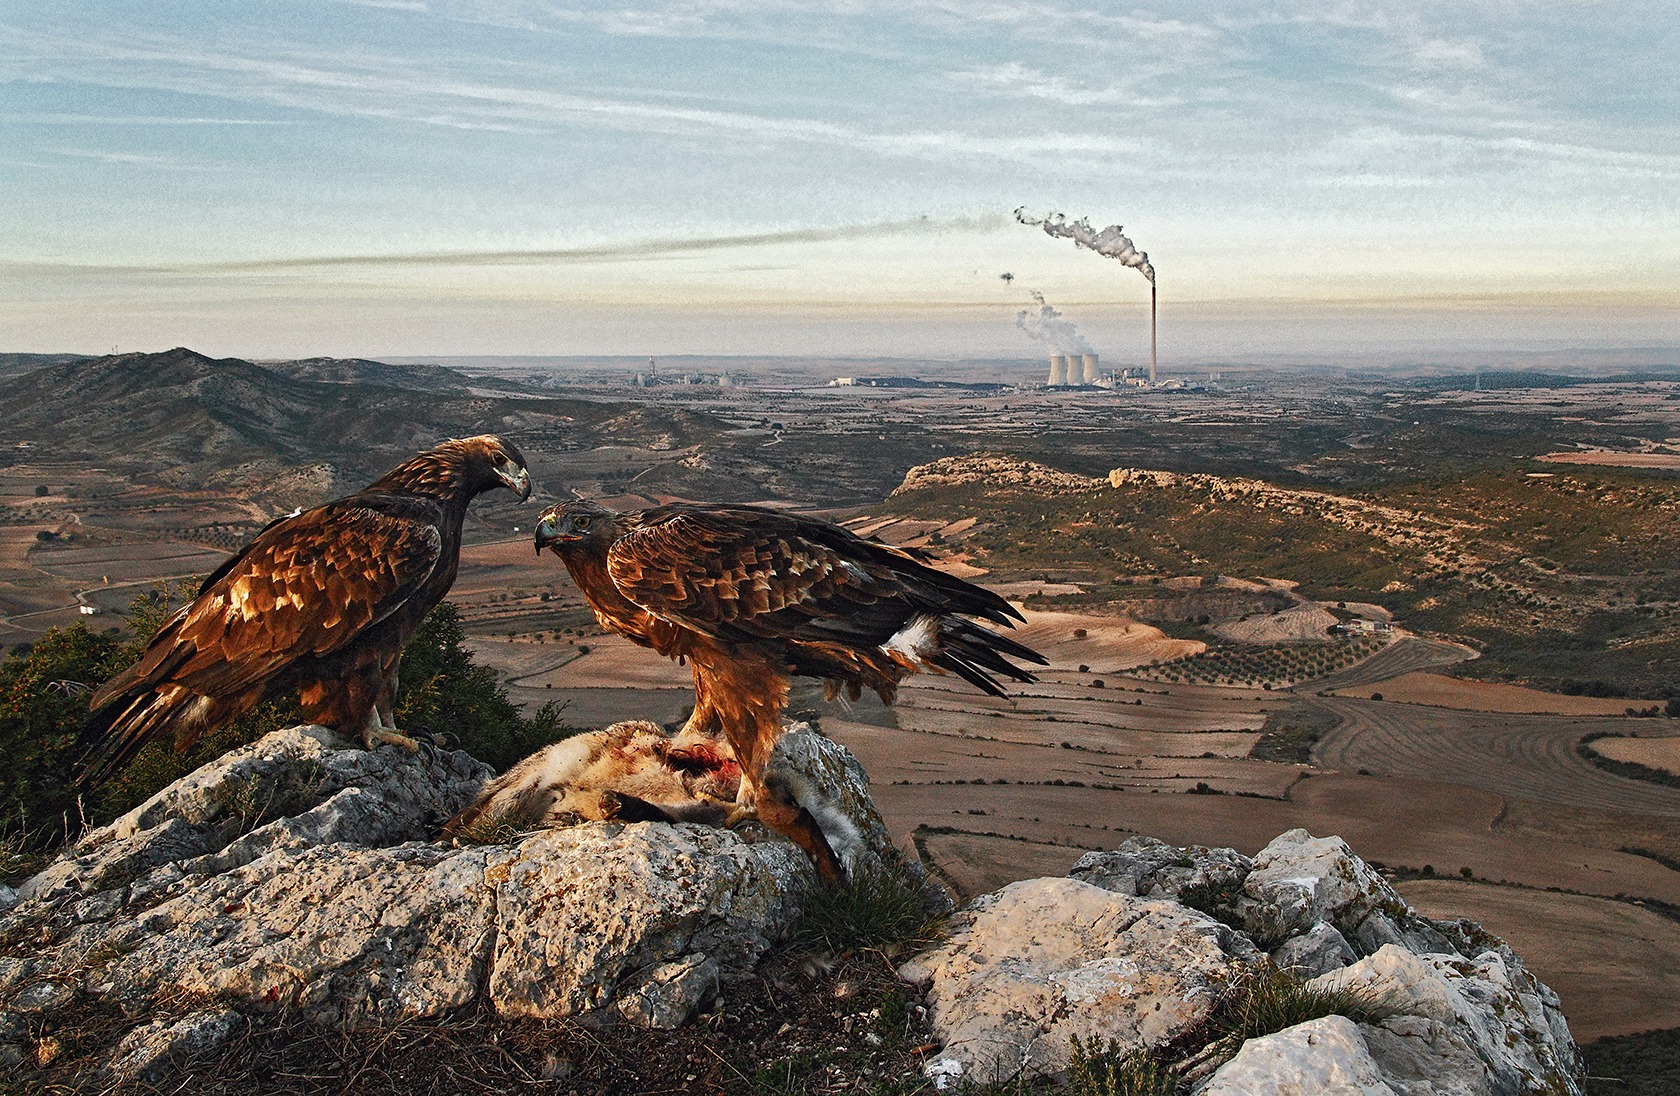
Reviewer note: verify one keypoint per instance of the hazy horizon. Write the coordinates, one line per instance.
(388, 177)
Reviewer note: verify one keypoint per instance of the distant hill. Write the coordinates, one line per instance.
(13, 364)
(1493, 379)
(421, 378)
(181, 419)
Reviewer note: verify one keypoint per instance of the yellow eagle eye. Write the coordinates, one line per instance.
(581, 523)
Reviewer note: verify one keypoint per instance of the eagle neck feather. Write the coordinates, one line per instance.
(438, 474)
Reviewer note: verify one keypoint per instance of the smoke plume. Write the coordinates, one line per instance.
(1048, 326)
(1108, 242)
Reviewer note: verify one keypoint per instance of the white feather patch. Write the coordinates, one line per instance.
(916, 640)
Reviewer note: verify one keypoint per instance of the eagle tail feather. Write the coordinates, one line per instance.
(121, 727)
(975, 654)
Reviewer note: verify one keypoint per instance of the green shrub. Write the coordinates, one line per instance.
(1266, 1001)
(1110, 1072)
(881, 908)
(43, 700)
(443, 692)
(43, 705)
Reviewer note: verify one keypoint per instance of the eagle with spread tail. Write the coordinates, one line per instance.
(752, 597)
(322, 601)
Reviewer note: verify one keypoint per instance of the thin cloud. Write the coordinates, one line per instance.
(391, 89)
(134, 159)
(133, 120)
(1017, 79)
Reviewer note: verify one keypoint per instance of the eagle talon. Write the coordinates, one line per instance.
(375, 736)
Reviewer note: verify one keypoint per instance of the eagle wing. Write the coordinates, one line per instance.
(742, 572)
(306, 586)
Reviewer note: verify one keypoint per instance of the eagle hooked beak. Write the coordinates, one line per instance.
(548, 532)
(516, 479)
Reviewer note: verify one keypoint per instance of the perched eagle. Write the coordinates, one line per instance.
(752, 597)
(322, 601)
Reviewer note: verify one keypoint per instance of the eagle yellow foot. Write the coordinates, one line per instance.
(734, 814)
(374, 736)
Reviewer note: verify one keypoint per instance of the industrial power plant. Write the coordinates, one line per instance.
(1066, 369)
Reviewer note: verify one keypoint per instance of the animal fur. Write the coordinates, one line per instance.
(633, 771)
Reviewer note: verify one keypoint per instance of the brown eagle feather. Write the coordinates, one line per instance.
(323, 601)
(752, 597)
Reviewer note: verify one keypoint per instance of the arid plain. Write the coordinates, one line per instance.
(1474, 793)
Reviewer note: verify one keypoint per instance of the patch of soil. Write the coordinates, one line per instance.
(1440, 691)
(1653, 753)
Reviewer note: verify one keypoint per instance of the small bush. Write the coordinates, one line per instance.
(882, 908)
(1268, 1001)
(1095, 1071)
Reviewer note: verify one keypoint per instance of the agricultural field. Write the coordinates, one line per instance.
(1566, 580)
(1494, 609)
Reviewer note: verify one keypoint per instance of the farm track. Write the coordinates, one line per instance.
(1523, 756)
(1403, 656)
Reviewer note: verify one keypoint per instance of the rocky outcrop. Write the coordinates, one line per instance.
(1137, 948)
(992, 470)
(302, 875)
(1325, 1057)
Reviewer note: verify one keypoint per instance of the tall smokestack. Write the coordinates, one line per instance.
(1058, 370)
(1090, 363)
(1152, 331)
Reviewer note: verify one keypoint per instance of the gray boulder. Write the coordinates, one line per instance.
(300, 874)
(1325, 1057)
(1319, 950)
(1032, 966)
(145, 1052)
(1456, 1025)
(1299, 880)
(587, 915)
(291, 789)
(1151, 868)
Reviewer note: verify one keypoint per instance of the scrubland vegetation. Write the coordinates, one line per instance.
(1566, 579)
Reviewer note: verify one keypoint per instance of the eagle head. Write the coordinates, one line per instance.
(579, 523)
(496, 462)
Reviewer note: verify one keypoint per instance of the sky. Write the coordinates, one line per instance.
(283, 178)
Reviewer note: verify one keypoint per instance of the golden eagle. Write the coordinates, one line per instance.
(322, 601)
(752, 597)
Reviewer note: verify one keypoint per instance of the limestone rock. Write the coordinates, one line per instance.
(671, 993)
(294, 874)
(290, 789)
(1319, 950)
(145, 1051)
(1450, 1015)
(582, 913)
(1030, 966)
(1299, 880)
(1150, 868)
(1325, 1057)
(15, 1043)
(43, 997)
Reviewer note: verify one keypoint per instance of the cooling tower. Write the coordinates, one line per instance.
(1089, 362)
(1058, 370)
